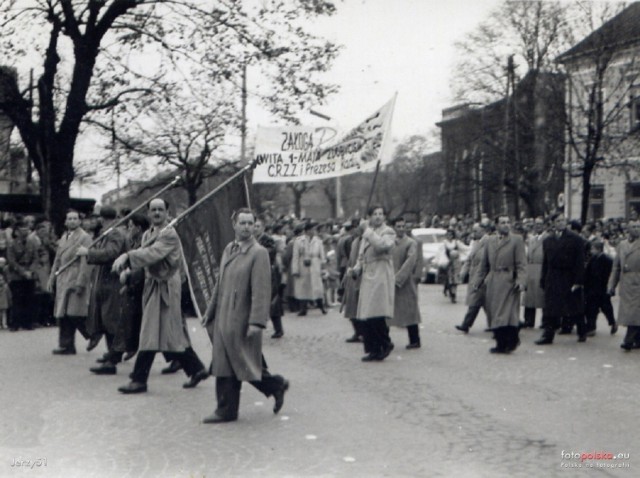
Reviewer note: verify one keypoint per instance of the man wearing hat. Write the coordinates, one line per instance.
(105, 301)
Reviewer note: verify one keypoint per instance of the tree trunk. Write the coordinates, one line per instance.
(586, 191)
(54, 188)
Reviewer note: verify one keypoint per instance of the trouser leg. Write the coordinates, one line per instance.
(268, 384)
(381, 334)
(632, 335)
(368, 337)
(581, 324)
(529, 317)
(591, 309)
(607, 310)
(80, 324)
(357, 327)
(512, 337)
(142, 367)
(499, 336)
(470, 316)
(567, 324)
(228, 397)
(189, 360)
(66, 333)
(414, 334)
(551, 324)
(277, 324)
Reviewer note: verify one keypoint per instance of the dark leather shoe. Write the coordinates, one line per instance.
(497, 350)
(582, 338)
(277, 335)
(104, 369)
(279, 396)
(591, 333)
(93, 343)
(412, 346)
(353, 340)
(626, 347)
(217, 419)
(129, 355)
(173, 367)
(133, 387)
(63, 351)
(544, 341)
(371, 358)
(387, 351)
(196, 379)
(614, 328)
(462, 328)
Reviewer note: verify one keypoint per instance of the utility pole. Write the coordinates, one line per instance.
(116, 155)
(516, 149)
(29, 171)
(243, 124)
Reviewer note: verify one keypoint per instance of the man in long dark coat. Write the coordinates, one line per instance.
(596, 297)
(162, 328)
(351, 286)
(562, 279)
(235, 318)
(105, 302)
(406, 312)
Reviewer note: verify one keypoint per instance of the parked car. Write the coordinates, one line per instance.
(432, 241)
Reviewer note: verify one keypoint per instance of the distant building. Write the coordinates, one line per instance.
(614, 50)
(484, 146)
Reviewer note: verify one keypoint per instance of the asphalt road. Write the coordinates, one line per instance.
(449, 409)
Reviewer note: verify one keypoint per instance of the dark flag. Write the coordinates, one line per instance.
(205, 230)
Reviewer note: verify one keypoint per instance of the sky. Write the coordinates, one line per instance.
(400, 46)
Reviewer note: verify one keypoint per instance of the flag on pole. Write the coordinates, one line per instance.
(204, 232)
(304, 153)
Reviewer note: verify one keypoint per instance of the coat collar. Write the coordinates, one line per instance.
(242, 249)
(501, 242)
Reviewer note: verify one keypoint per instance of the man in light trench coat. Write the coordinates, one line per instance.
(377, 286)
(235, 318)
(162, 328)
(70, 287)
(626, 273)
(406, 312)
(534, 295)
(504, 271)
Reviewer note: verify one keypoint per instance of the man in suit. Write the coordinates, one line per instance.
(70, 286)
(406, 312)
(562, 280)
(162, 328)
(595, 288)
(503, 269)
(235, 318)
(475, 297)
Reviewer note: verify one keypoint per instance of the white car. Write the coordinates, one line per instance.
(432, 240)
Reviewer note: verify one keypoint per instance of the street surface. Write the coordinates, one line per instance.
(449, 409)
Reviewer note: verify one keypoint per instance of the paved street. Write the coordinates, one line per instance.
(448, 409)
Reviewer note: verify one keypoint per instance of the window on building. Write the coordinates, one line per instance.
(596, 202)
(633, 200)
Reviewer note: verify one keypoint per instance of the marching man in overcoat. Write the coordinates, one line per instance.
(162, 328)
(504, 270)
(475, 299)
(626, 273)
(71, 286)
(235, 318)
(534, 295)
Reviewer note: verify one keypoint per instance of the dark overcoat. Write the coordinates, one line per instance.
(562, 267)
(105, 302)
(596, 277)
(351, 285)
(405, 310)
(240, 298)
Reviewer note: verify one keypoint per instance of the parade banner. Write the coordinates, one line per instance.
(204, 233)
(302, 153)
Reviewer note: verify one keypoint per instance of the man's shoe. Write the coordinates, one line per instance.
(371, 358)
(582, 338)
(63, 351)
(302, 313)
(513, 347)
(196, 379)
(498, 350)
(129, 355)
(279, 396)
(626, 347)
(104, 369)
(217, 419)
(93, 343)
(463, 328)
(173, 367)
(103, 359)
(133, 387)
(614, 328)
(591, 333)
(387, 351)
(277, 335)
(413, 346)
(355, 339)
(544, 341)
